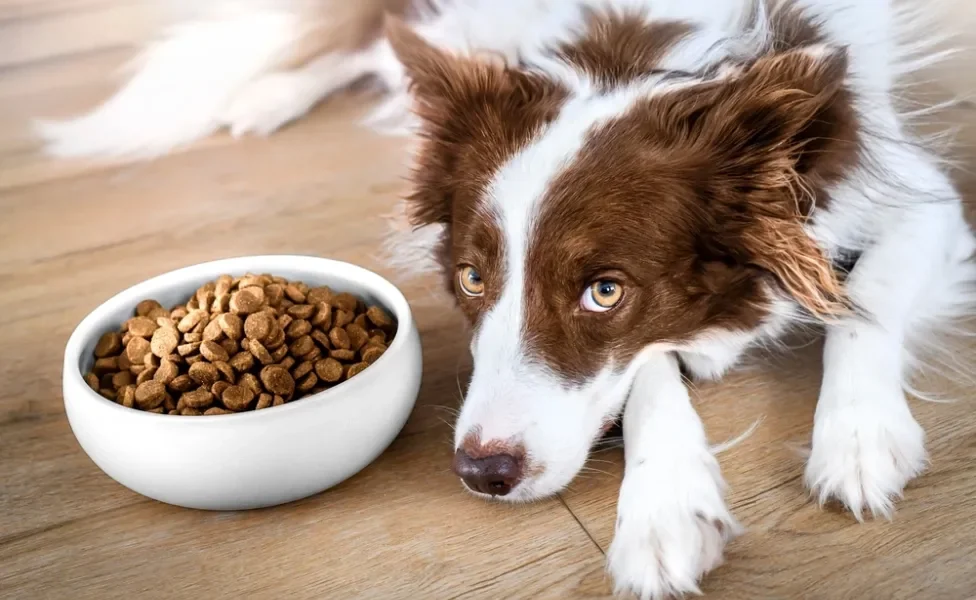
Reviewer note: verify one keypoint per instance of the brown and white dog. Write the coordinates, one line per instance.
(615, 189)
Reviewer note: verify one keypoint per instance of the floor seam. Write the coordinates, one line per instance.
(580, 523)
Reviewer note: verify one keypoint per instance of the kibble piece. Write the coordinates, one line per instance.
(260, 352)
(193, 358)
(150, 394)
(156, 313)
(150, 360)
(356, 369)
(109, 364)
(213, 352)
(302, 369)
(190, 412)
(137, 349)
(146, 374)
(284, 321)
(339, 338)
(298, 328)
(264, 401)
(127, 396)
(158, 410)
(242, 361)
(371, 354)
(361, 321)
(377, 340)
(223, 285)
(279, 353)
(322, 338)
(178, 312)
(167, 372)
(294, 293)
(379, 317)
(357, 336)
(302, 311)
(136, 369)
(319, 294)
(343, 355)
(141, 326)
(218, 388)
(346, 302)
(221, 304)
(181, 383)
(198, 398)
(216, 410)
(277, 338)
(278, 401)
(109, 394)
(122, 379)
(164, 341)
(277, 380)
(247, 301)
(230, 347)
(251, 382)
(323, 316)
(193, 337)
(302, 346)
(92, 380)
(274, 293)
(147, 306)
(329, 370)
(109, 344)
(212, 332)
(169, 404)
(186, 349)
(307, 383)
(226, 371)
(258, 326)
(191, 320)
(342, 318)
(204, 373)
(232, 325)
(313, 355)
(287, 362)
(237, 398)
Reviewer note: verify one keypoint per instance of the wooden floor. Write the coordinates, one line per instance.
(72, 234)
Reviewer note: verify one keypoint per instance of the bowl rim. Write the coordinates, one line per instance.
(393, 298)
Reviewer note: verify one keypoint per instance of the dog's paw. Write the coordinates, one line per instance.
(267, 104)
(863, 457)
(669, 536)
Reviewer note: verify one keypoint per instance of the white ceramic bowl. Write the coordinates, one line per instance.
(253, 459)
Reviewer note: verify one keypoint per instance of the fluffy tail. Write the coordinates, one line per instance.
(181, 83)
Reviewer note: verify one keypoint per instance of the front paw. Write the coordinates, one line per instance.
(863, 457)
(669, 537)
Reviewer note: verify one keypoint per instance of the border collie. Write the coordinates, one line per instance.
(618, 192)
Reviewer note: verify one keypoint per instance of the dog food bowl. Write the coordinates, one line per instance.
(258, 458)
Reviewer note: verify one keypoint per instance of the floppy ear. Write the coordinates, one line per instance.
(467, 107)
(783, 129)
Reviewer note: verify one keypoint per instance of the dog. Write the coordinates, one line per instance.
(619, 193)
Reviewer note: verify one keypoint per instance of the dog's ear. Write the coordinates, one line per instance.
(471, 109)
(776, 134)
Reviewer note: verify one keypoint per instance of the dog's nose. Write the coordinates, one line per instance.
(496, 474)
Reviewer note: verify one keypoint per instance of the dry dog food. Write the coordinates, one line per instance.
(238, 344)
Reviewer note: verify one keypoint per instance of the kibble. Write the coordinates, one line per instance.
(238, 344)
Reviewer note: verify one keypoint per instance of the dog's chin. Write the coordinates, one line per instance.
(522, 493)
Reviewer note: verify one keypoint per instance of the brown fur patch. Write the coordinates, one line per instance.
(695, 201)
(619, 48)
(475, 115)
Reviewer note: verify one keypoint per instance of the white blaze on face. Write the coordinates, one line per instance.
(513, 396)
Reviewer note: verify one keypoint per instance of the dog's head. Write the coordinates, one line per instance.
(581, 228)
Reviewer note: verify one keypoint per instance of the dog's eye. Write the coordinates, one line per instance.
(602, 295)
(470, 281)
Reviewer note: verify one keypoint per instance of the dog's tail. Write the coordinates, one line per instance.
(183, 81)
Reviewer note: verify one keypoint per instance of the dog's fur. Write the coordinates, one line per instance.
(717, 161)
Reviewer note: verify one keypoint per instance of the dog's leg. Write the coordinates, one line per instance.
(672, 521)
(866, 444)
(271, 101)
